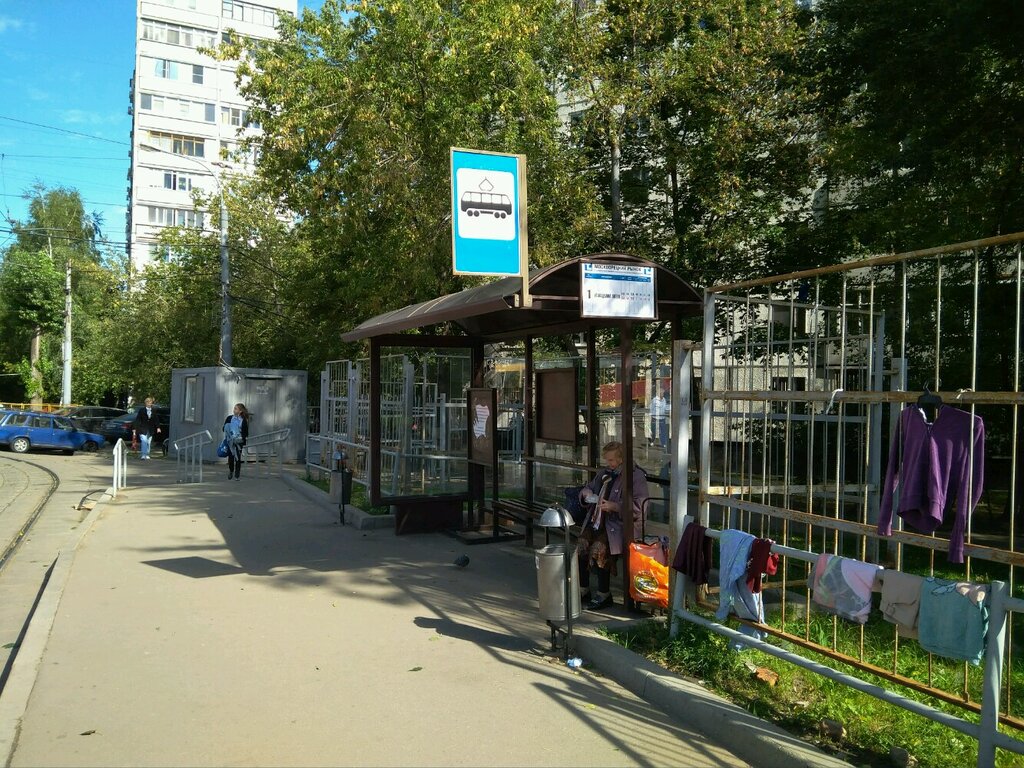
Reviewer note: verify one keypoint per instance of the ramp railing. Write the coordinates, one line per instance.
(189, 452)
(120, 466)
(266, 447)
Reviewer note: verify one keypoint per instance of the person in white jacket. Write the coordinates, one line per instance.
(661, 409)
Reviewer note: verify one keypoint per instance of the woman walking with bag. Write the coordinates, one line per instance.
(236, 432)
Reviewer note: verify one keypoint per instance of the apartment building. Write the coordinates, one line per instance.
(187, 114)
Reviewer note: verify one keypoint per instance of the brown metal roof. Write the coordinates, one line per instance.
(492, 311)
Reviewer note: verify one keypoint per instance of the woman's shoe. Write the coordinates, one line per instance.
(599, 602)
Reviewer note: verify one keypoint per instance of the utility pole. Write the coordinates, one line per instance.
(225, 284)
(65, 394)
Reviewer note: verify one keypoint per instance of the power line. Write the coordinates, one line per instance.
(68, 238)
(65, 130)
(90, 202)
(65, 157)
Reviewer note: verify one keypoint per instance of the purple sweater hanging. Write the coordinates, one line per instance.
(931, 463)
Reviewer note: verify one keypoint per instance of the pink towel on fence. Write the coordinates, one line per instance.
(844, 586)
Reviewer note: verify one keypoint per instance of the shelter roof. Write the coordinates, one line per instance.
(493, 311)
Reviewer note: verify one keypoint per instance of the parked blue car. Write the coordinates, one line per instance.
(22, 430)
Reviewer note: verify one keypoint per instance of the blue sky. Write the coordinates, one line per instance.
(65, 71)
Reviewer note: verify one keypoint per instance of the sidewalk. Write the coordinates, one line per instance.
(236, 623)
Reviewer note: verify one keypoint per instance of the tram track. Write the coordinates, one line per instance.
(36, 506)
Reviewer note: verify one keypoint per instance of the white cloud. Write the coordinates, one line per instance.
(7, 23)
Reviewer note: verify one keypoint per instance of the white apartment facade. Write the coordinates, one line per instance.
(187, 114)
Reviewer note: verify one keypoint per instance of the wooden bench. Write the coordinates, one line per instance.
(523, 512)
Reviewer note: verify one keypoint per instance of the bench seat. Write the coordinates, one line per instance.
(524, 513)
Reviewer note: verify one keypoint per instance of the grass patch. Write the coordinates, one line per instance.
(801, 700)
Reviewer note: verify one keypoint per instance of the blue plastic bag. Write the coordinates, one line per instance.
(222, 449)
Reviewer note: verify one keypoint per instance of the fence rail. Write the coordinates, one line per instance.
(264, 448)
(189, 453)
(805, 380)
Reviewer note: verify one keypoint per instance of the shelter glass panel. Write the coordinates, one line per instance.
(424, 439)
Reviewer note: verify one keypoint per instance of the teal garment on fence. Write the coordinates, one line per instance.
(953, 619)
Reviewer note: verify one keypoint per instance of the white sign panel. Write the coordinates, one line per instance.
(617, 290)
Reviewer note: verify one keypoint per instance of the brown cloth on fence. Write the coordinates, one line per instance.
(693, 557)
(762, 560)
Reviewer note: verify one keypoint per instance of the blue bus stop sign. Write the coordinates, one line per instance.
(488, 213)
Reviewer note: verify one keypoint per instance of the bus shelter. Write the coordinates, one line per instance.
(561, 405)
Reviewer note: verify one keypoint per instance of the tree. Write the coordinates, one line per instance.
(708, 104)
(920, 111)
(359, 106)
(58, 234)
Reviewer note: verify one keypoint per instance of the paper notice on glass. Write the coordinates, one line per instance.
(481, 415)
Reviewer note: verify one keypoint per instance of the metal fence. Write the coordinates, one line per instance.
(803, 380)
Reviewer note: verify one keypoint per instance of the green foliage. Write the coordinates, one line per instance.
(710, 108)
(32, 289)
(360, 105)
(57, 234)
(920, 107)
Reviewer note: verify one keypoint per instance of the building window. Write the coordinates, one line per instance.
(175, 34)
(177, 181)
(254, 14)
(191, 146)
(234, 116)
(165, 68)
(197, 74)
(186, 108)
(193, 405)
(175, 217)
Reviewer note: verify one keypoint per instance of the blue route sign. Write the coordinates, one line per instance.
(488, 213)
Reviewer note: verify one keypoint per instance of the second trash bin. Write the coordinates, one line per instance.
(551, 584)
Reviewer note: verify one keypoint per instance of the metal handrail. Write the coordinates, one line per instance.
(271, 441)
(189, 453)
(120, 466)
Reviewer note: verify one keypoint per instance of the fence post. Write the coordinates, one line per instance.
(994, 647)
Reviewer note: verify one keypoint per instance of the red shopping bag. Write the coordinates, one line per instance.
(648, 577)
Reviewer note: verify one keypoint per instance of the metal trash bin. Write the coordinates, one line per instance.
(551, 584)
(341, 486)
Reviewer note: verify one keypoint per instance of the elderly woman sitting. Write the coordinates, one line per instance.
(601, 536)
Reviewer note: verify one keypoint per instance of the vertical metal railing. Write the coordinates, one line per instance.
(266, 448)
(120, 467)
(189, 456)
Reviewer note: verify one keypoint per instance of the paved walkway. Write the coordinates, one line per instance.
(238, 624)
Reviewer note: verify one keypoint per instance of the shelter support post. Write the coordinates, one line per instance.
(529, 416)
(593, 437)
(626, 378)
(679, 492)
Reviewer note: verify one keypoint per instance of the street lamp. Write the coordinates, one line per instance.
(225, 273)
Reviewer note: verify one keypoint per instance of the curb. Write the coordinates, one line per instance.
(25, 669)
(751, 739)
(355, 517)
